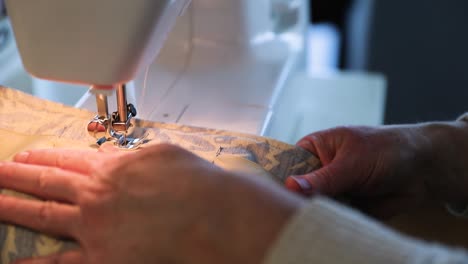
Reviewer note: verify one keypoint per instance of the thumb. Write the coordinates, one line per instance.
(329, 181)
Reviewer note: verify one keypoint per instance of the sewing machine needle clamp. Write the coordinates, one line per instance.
(101, 129)
(114, 128)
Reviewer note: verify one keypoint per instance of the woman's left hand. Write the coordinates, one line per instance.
(158, 205)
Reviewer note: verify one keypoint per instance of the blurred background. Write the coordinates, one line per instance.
(419, 45)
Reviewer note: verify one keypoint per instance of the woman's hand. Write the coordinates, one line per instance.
(387, 170)
(158, 205)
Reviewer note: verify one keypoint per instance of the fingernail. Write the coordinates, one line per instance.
(21, 157)
(301, 184)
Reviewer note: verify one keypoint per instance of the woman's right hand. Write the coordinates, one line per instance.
(387, 170)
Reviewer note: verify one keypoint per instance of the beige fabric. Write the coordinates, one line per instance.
(27, 122)
(323, 232)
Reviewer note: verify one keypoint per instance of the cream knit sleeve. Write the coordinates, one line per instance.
(327, 232)
(463, 118)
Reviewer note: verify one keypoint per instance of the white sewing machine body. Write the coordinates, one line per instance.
(90, 42)
(223, 65)
(232, 64)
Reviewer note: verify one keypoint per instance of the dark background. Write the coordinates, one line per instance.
(420, 45)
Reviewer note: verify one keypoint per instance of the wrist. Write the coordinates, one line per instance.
(264, 210)
(445, 150)
(243, 220)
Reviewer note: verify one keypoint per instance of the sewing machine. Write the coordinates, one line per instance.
(235, 65)
(224, 58)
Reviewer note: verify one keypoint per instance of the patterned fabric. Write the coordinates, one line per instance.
(28, 122)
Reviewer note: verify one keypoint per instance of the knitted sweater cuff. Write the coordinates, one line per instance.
(327, 232)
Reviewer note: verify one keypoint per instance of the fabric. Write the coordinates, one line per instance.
(322, 232)
(31, 123)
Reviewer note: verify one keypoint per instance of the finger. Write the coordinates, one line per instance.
(45, 182)
(43, 216)
(108, 147)
(322, 144)
(300, 185)
(70, 257)
(74, 160)
(330, 180)
(307, 144)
